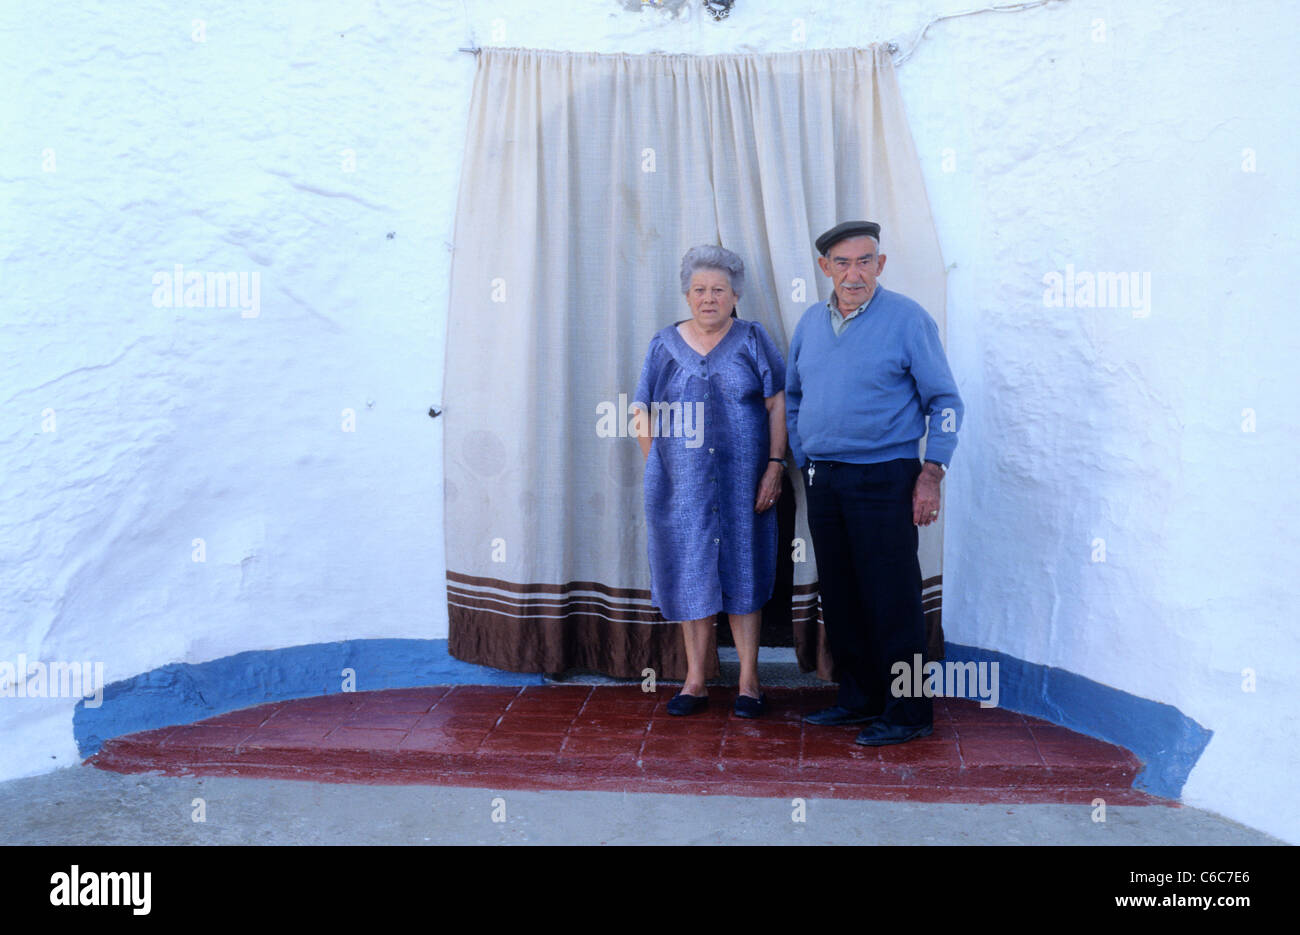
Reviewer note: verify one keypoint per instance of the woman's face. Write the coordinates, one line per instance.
(710, 298)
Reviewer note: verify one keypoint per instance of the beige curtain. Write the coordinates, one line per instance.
(586, 177)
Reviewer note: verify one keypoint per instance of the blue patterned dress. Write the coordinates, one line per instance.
(709, 550)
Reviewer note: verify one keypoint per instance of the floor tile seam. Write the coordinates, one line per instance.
(586, 700)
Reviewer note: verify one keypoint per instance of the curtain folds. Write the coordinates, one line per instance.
(585, 179)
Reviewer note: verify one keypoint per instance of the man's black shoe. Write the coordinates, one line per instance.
(835, 715)
(881, 734)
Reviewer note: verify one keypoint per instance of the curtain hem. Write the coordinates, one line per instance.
(554, 629)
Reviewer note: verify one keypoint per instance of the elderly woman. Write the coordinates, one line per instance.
(714, 442)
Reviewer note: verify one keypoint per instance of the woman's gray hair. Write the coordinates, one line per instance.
(709, 256)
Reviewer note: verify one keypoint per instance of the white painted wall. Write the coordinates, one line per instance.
(1116, 147)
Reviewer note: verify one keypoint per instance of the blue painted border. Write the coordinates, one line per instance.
(1167, 741)
(182, 693)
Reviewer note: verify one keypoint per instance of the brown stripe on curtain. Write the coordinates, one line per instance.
(570, 631)
(553, 609)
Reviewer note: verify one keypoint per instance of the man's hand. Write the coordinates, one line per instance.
(769, 487)
(925, 496)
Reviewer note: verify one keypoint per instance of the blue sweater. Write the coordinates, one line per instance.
(864, 397)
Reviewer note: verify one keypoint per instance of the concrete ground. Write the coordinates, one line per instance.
(81, 804)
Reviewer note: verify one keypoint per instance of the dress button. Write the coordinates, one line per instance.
(706, 395)
(710, 451)
(715, 509)
(716, 541)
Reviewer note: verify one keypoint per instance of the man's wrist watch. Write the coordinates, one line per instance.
(943, 468)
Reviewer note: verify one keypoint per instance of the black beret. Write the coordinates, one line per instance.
(845, 231)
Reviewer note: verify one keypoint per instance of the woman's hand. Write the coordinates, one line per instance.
(769, 488)
(641, 425)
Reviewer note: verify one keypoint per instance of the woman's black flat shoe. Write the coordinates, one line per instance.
(687, 704)
(750, 707)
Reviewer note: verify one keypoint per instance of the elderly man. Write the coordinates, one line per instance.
(866, 370)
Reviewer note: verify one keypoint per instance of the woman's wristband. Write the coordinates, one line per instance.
(780, 461)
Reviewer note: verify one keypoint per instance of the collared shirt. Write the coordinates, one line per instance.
(840, 322)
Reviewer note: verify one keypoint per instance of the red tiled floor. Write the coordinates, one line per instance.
(605, 697)
(602, 745)
(461, 742)
(961, 709)
(149, 741)
(996, 751)
(404, 720)
(564, 700)
(759, 728)
(973, 730)
(479, 698)
(512, 723)
(607, 724)
(287, 717)
(781, 751)
(363, 738)
(207, 736)
(449, 718)
(928, 760)
(760, 759)
(253, 716)
(685, 727)
(622, 739)
(1082, 754)
(681, 749)
(513, 745)
(270, 739)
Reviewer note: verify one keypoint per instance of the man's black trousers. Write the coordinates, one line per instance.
(860, 516)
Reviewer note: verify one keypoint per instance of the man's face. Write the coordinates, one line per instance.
(853, 266)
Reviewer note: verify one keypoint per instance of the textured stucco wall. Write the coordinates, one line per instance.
(1088, 133)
